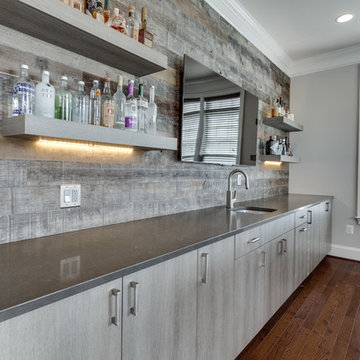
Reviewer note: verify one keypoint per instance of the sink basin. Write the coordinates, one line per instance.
(253, 210)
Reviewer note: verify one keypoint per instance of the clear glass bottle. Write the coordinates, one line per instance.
(98, 13)
(63, 101)
(107, 106)
(106, 11)
(117, 21)
(81, 105)
(95, 104)
(145, 36)
(152, 113)
(23, 96)
(131, 109)
(119, 100)
(132, 24)
(45, 97)
(142, 110)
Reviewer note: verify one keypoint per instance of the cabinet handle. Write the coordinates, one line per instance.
(254, 240)
(263, 264)
(304, 229)
(310, 215)
(205, 278)
(280, 247)
(327, 206)
(134, 309)
(284, 241)
(115, 320)
(303, 217)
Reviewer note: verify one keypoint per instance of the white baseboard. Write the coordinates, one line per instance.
(346, 252)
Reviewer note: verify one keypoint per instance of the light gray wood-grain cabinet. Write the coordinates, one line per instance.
(314, 224)
(215, 296)
(301, 253)
(325, 228)
(159, 311)
(86, 326)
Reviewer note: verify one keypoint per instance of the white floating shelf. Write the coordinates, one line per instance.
(59, 24)
(282, 158)
(35, 127)
(283, 123)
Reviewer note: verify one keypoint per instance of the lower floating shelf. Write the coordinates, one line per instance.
(280, 158)
(35, 127)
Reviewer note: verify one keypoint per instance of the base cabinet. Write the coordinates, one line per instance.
(79, 327)
(301, 253)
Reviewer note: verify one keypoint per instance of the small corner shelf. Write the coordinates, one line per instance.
(282, 158)
(283, 123)
(59, 24)
(36, 127)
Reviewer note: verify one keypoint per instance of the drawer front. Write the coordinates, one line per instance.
(277, 227)
(301, 217)
(249, 240)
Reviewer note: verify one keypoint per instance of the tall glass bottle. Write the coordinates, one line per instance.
(142, 110)
(63, 101)
(106, 11)
(45, 97)
(152, 113)
(81, 105)
(107, 106)
(95, 104)
(132, 24)
(131, 109)
(119, 100)
(23, 96)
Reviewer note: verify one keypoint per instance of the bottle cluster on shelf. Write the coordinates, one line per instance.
(116, 19)
(105, 109)
(279, 108)
(278, 146)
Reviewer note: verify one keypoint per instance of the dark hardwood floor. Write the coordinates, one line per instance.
(320, 321)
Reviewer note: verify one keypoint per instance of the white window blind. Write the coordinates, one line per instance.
(190, 128)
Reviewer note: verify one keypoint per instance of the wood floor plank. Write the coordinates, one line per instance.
(353, 352)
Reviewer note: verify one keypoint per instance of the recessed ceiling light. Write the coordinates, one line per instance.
(344, 18)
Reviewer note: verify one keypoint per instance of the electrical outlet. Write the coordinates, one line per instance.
(350, 229)
(70, 195)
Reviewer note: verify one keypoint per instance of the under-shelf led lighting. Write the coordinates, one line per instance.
(277, 163)
(344, 18)
(83, 146)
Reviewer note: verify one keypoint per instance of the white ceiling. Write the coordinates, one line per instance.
(299, 36)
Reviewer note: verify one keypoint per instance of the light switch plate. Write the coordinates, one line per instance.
(70, 195)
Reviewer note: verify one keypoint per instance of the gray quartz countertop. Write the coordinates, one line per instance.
(30, 270)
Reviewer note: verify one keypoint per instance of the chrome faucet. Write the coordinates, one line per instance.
(231, 195)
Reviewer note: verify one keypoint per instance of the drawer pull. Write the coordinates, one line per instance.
(254, 240)
(205, 278)
(304, 229)
(134, 309)
(327, 206)
(303, 217)
(310, 215)
(284, 241)
(263, 259)
(115, 320)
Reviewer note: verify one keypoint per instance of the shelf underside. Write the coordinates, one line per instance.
(283, 123)
(282, 158)
(56, 23)
(35, 127)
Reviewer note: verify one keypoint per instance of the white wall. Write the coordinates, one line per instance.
(326, 103)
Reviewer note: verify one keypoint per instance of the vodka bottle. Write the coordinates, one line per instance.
(142, 109)
(81, 105)
(119, 100)
(63, 101)
(107, 106)
(152, 113)
(131, 109)
(45, 97)
(23, 96)
(95, 104)
(132, 24)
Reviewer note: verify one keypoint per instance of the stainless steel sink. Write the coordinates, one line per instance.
(253, 209)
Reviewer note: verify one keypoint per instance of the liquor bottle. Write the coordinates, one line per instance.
(132, 24)
(143, 105)
(63, 101)
(131, 109)
(274, 108)
(79, 5)
(278, 107)
(81, 105)
(117, 21)
(90, 7)
(152, 113)
(145, 37)
(107, 106)
(98, 13)
(95, 104)
(45, 97)
(106, 12)
(119, 100)
(269, 144)
(23, 96)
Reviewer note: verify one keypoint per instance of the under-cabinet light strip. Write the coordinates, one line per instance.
(277, 163)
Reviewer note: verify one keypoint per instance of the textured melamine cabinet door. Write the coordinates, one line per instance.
(288, 265)
(301, 253)
(327, 226)
(159, 311)
(76, 328)
(314, 224)
(215, 301)
(249, 297)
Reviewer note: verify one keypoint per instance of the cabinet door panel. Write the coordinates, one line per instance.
(215, 301)
(163, 326)
(301, 254)
(78, 327)
(314, 223)
(288, 264)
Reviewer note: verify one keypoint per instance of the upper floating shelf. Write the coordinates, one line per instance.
(35, 127)
(283, 123)
(59, 24)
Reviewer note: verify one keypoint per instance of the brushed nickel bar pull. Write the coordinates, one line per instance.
(263, 253)
(134, 309)
(310, 217)
(205, 278)
(327, 208)
(254, 240)
(304, 229)
(115, 320)
(284, 241)
(303, 217)
(280, 247)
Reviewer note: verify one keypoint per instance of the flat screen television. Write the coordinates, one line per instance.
(219, 118)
